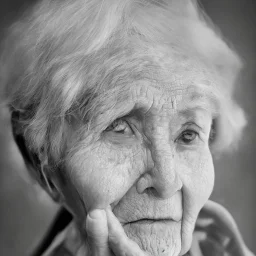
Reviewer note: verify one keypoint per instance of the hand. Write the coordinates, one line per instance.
(216, 224)
(106, 236)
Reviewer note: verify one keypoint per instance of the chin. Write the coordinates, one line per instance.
(160, 238)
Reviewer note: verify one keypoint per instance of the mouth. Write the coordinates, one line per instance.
(149, 221)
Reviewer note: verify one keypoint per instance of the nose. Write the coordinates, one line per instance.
(162, 177)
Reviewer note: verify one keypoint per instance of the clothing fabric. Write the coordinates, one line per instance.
(215, 234)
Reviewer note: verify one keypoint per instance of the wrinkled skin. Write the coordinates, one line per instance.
(153, 164)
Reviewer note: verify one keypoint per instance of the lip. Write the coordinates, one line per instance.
(150, 221)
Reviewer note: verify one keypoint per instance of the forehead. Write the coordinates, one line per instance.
(179, 67)
(174, 80)
(145, 100)
(178, 81)
(180, 99)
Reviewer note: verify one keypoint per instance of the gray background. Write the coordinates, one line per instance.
(26, 211)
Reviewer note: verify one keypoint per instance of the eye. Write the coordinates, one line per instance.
(188, 136)
(120, 126)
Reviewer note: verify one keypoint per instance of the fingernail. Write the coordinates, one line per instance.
(97, 214)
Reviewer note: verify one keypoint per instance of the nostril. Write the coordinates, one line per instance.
(156, 193)
(144, 183)
(151, 192)
(160, 194)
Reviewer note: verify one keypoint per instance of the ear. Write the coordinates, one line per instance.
(37, 164)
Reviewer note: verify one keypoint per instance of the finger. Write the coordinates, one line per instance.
(73, 242)
(225, 222)
(214, 233)
(195, 246)
(119, 242)
(210, 248)
(220, 216)
(203, 222)
(97, 232)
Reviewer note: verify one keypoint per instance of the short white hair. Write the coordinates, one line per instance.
(60, 55)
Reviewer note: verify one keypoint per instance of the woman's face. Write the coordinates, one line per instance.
(152, 165)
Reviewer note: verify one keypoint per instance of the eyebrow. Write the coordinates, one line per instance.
(198, 99)
(207, 101)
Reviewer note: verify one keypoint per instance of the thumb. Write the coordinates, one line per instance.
(119, 242)
(97, 232)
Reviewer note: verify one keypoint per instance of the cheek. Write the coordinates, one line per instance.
(102, 175)
(198, 180)
(203, 178)
(198, 176)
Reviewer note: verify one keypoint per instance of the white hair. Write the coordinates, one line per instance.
(61, 54)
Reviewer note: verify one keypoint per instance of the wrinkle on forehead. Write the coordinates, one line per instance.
(177, 98)
(169, 72)
(144, 97)
(179, 67)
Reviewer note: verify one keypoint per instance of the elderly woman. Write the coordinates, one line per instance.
(117, 107)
